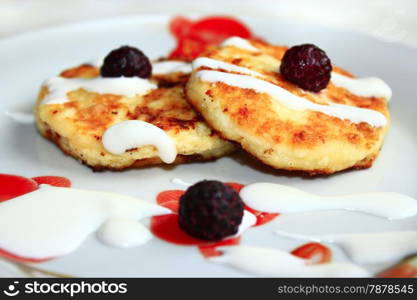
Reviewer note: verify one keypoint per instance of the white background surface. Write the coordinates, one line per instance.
(394, 20)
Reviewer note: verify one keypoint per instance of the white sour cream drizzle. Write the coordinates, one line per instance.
(368, 248)
(58, 87)
(239, 42)
(21, 117)
(365, 87)
(53, 221)
(170, 66)
(278, 263)
(179, 181)
(126, 233)
(276, 198)
(344, 112)
(217, 64)
(134, 133)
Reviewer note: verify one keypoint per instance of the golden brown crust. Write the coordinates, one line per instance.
(63, 144)
(78, 125)
(278, 135)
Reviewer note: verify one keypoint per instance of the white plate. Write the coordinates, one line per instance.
(25, 61)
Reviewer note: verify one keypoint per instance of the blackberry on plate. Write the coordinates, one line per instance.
(307, 66)
(126, 61)
(210, 210)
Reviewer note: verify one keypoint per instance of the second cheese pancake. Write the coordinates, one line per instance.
(238, 89)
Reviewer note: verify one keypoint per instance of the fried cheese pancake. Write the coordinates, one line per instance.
(239, 91)
(78, 124)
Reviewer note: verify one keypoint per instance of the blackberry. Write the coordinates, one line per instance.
(210, 210)
(307, 66)
(126, 61)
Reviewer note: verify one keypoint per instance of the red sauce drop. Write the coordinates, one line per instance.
(53, 180)
(194, 37)
(170, 195)
(166, 228)
(180, 26)
(315, 252)
(12, 186)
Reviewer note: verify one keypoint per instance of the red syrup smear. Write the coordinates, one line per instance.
(12, 186)
(53, 180)
(401, 271)
(166, 227)
(315, 252)
(194, 37)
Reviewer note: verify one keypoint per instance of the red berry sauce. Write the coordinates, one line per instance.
(194, 37)
(316, 253)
